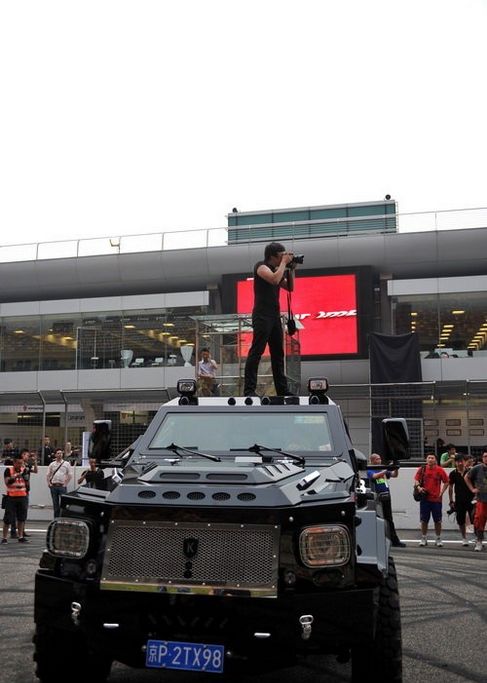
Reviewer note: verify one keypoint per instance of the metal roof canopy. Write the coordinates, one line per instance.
(120, 395)
(68, 397)
(23, 398)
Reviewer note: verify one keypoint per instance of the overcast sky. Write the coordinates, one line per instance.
(130, 117)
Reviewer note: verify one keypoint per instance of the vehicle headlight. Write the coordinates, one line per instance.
(68, 538)
(324, 546)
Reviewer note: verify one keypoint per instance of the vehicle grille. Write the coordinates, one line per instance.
(203, 558)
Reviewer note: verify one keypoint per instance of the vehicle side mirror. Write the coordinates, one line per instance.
(360, 459)
(396, 439)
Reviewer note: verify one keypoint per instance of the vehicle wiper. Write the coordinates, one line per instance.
(257, 448)
(175, 449)
(149, 466)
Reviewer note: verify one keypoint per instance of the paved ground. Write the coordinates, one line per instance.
(444, 615)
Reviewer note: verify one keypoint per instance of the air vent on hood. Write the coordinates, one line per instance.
(246, 496)
(146, 494)
(171, 495)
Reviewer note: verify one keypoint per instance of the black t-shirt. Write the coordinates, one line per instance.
(266, 296)
(95, 479)
(46, 455)
(463, 495)
(8, 454)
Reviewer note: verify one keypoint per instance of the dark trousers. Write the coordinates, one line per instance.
(267, 330)
(56, 493)
(387, 512)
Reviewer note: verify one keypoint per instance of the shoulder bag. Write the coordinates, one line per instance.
(417, 494)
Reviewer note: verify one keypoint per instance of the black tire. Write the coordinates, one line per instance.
(386, 648)
(62, 656)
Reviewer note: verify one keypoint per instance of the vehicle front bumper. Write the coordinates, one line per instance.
(120, 623)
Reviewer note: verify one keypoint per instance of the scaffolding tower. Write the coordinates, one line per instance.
(228, 337)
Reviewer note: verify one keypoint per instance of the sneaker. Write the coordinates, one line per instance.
(398, 544)
(439, 543)
(464, 541)
(26, 535)
(478, 546)
(423, 542)
(22, 539)
(4, 540)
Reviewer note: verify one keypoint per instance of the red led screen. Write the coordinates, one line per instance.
(326, 305)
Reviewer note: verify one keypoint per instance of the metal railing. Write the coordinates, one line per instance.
(448, 219)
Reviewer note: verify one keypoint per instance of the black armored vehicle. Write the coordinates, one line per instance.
(237, 531)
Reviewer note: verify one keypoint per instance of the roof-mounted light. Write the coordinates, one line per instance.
(317, 387)
(317, 384)
(187, 389)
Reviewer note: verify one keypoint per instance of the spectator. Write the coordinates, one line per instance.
(93, 477)
(380, 478)
(430, 478)
(476, 480)
(440, 445)
(447, 458)
(58, 477)
(9, 452)
(30, 467)
(99, 446)
(16, 504)
(207, 368)
(460, 495)
(70, 455)
(46, 452)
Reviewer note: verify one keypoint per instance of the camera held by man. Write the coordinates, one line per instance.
(298, 259)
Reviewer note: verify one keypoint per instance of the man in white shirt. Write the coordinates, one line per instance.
(207, 368)
(58, 477)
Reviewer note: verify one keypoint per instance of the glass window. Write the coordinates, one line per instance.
(99, 341)
(154, 338)
(293, 432)
(454, 322)
(58, 342)
(19, 344)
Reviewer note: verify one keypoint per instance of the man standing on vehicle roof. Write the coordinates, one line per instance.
(275, 271)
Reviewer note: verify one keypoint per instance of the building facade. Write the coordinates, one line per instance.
(87, 335)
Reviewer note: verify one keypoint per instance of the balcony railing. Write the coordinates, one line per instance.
(451, 219)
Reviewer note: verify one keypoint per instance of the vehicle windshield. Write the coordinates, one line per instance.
(294, 432)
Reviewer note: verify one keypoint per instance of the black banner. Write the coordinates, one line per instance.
(394, 359)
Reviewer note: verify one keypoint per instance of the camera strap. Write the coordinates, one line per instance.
(291, 323)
